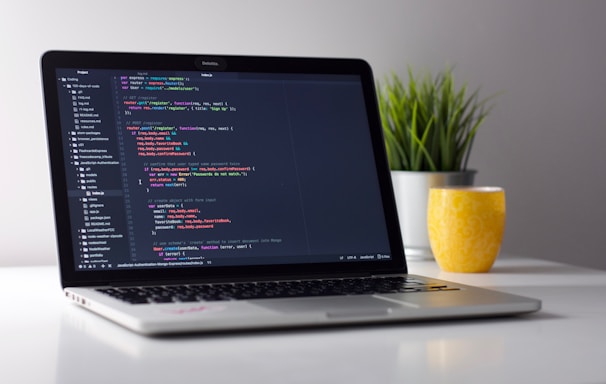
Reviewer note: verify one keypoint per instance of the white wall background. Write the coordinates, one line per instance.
(544, 142)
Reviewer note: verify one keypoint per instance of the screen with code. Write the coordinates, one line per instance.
(202, 169)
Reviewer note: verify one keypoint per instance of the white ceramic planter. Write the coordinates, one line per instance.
(411, 190)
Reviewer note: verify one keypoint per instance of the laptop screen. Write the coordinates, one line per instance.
(212, 167)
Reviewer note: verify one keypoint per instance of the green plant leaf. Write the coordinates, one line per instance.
(428, 123)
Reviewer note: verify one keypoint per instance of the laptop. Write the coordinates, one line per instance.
(204, 193)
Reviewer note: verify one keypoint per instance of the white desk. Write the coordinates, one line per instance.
(46, 340)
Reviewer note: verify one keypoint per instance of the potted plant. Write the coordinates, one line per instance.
(429, 127)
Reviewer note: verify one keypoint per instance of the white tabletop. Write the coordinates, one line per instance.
(44, 339)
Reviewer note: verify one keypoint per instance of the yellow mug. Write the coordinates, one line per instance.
(466, 226)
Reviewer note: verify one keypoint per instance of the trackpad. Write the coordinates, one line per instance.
(333, 306)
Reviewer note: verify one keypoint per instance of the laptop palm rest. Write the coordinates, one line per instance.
(334, 307)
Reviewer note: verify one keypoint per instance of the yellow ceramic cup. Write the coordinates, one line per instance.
(466, 226)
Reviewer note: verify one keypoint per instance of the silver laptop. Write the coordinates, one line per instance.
(199, 193)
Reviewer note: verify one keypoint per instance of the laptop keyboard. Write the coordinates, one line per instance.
(272, 289)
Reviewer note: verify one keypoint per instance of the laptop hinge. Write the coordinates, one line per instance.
(236, 279)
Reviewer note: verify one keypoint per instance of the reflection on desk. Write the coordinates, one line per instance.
(563, 343)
